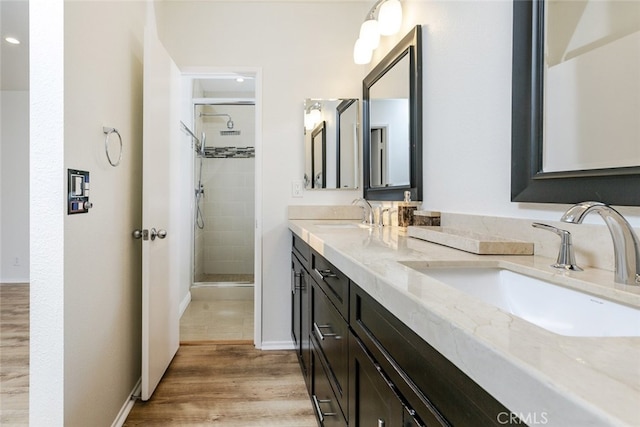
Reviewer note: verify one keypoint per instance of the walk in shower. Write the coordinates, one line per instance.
(224, 194)
(222, 290)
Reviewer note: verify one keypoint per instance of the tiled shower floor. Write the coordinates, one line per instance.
(218, 314)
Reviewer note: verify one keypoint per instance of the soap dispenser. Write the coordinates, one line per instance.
(405, 211)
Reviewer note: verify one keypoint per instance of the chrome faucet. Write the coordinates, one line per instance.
(566, 259)
(367, 210)
(626, 245)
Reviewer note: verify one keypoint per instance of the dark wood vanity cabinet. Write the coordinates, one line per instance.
(432, 387)
(364, 367)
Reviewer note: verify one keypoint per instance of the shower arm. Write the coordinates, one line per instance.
(229, 122)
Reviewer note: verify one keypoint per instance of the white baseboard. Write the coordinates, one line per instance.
(184, 303)
(128, 405)
(277, 345)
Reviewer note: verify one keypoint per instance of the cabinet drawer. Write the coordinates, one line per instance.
(330, 333)
(332, 281)
(325, 403)
(412, 364)
(301, 249)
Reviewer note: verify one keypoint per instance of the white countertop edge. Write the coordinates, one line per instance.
(512, 379)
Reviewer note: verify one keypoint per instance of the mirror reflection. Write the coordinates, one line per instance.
(392, 123)
(389, 127)
(331, 143)
(592, 85)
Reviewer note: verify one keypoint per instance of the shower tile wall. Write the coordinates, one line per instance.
(228, 211)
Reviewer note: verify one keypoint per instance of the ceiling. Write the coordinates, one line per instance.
(14, 59)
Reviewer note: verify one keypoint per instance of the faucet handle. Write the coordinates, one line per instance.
(566, 258)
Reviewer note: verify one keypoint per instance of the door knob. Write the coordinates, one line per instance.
(160, 234)
(137, 233)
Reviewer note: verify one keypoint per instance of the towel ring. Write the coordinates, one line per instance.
(108, 131)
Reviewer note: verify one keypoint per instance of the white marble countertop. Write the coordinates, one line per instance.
(545, 378)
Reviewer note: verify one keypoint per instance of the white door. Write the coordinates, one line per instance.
(160, 305)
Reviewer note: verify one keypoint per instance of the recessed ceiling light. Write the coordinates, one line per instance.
(239, 79)
(12, 40)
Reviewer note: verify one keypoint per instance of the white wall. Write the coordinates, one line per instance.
(14, 181)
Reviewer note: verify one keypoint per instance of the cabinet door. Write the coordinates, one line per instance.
(373, 402)
(300, 314)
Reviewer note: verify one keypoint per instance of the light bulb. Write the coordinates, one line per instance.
(361, 52)
(370, 34)
(390, 17)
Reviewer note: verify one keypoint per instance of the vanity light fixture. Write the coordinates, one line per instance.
(388, 23)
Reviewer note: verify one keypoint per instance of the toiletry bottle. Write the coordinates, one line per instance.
(405, 211)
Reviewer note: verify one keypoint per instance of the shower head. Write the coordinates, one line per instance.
(229, 121)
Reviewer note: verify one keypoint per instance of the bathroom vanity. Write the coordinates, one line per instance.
(380, 343)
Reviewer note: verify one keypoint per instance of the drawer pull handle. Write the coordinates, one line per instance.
(320, 334)
(299, 286)
(316, 403)
(326, 273)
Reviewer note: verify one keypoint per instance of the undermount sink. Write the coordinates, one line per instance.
(342, 225)
(555, 308)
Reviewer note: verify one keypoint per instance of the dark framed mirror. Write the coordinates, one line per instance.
(530, 180)
(392, 123)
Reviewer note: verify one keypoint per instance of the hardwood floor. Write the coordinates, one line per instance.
(228, 385)
(14, 354)
(206, 384)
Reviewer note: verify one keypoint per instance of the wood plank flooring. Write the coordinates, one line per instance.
(228, 385)
(14, 354)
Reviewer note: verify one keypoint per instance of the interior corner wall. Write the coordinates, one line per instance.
(103, 78)
(14, 182)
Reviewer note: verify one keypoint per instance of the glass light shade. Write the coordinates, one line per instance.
(370, 34)
(308, 123)
(361, 52)
(311, 119)
(390, 17)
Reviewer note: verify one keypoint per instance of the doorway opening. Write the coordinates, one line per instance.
(223, 238)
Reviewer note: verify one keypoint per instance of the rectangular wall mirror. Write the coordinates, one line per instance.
(392, 123)
(576, 101)
(331, 135)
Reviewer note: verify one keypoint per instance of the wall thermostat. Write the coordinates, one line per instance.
(78, 185)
